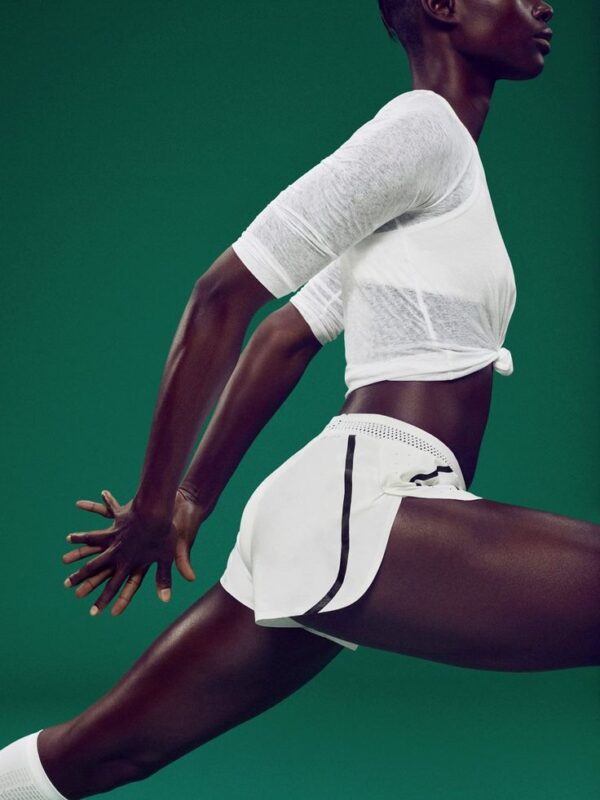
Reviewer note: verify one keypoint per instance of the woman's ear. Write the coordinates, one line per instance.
(441, 10)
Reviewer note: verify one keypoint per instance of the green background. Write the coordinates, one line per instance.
(138, 139)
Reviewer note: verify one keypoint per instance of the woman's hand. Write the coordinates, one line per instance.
(186, 520)
(126, 551)
(188, 515)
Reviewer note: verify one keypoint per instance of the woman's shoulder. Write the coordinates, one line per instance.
(423, 124)
(422, 106)
(419, 101)
(418, 122)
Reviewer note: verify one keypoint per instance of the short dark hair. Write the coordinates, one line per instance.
(400, 18)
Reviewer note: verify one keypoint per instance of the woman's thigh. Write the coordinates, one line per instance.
(481, 584)
(210, 670)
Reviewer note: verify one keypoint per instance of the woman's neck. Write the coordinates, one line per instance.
(468, 92)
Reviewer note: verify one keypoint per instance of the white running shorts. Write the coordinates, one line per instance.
(313, 533)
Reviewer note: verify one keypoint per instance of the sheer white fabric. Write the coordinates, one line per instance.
(395, 241)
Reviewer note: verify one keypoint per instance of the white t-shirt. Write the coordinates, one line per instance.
(394, 239)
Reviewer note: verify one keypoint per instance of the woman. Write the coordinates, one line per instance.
(392, 238)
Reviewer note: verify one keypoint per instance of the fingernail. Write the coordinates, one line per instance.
(165, 594)
(67, 583)
(94, 610)
(68, 538)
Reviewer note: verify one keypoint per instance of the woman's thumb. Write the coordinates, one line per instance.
(182, 562)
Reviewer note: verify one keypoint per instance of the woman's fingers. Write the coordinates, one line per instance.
(91, 568)
(107, 509)
(97, 508)
(92, 537)
(163, 580)
(110, 590)
(81, 552)
(91, 583)
(133, 584)
(111, 502)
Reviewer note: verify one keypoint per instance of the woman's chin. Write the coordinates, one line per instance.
(527, 72)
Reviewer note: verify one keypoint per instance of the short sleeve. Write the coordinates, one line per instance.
(402, 158)
(320, 303)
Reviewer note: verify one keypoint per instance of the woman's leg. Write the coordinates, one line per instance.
(481, 584)
(212, 669)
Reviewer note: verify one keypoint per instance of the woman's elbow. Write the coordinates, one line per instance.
(229, 284)
(287, 330)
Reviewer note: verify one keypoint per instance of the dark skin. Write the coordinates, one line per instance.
(484, 585)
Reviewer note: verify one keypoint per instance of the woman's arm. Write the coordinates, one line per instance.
(202, 356)
(270, 366)
(389, 165)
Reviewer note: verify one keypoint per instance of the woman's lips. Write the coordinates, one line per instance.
(543, 39)
(544, 44)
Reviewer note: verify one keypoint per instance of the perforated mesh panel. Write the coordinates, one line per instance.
(382, 431)
(16, 785)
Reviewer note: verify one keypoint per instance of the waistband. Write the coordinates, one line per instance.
(381, 426)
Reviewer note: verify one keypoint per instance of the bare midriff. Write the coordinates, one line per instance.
(455, 411)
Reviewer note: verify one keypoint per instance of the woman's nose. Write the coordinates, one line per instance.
(543, 11)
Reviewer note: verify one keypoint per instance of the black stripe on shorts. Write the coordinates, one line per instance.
(345, 528)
